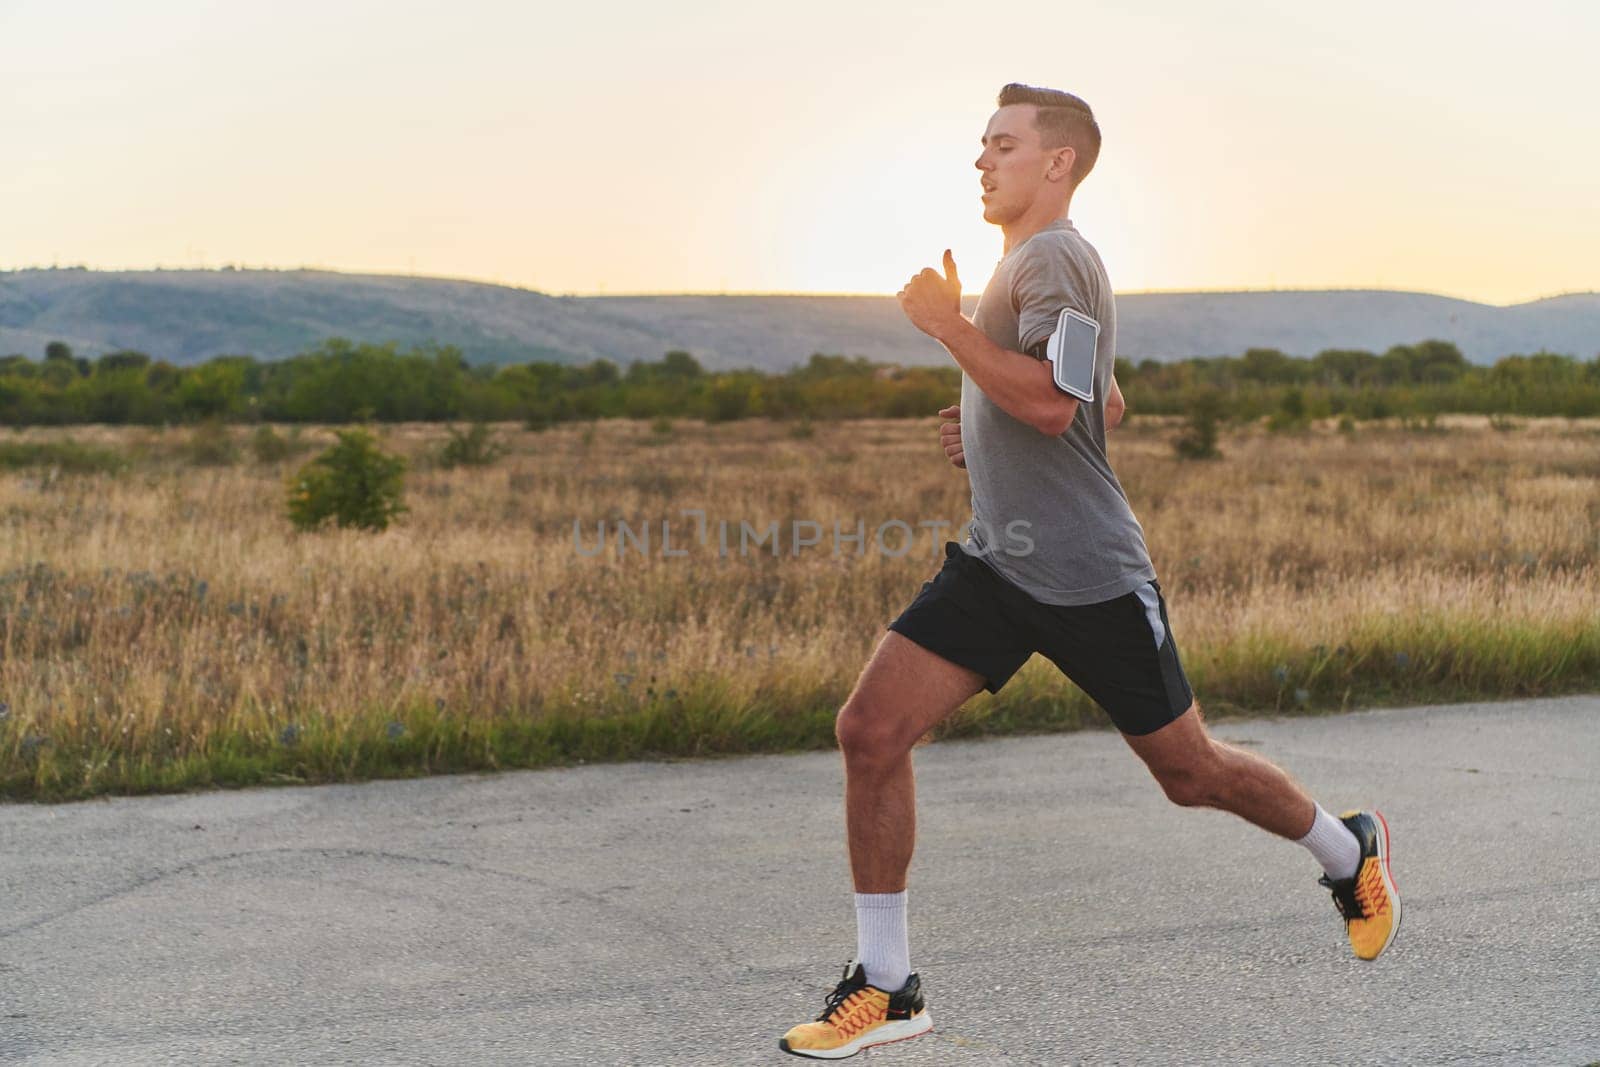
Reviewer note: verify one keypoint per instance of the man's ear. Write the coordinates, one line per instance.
(1067, 157)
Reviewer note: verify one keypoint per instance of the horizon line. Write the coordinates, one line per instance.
(234, 268)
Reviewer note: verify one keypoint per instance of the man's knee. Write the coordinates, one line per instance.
(867, 733)
(1187, 787)
(1194, 781)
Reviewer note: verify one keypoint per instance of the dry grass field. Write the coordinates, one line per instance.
(164, 626)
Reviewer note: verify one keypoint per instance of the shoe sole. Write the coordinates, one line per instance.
(888, 1033)
(1388, 881)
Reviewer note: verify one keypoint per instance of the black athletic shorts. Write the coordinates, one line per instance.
(1120, 652)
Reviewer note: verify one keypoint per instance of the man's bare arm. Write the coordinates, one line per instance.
(1022, 386)
(1115, 406)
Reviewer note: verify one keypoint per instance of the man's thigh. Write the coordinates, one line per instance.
(905, 690)
(1122, 653)
(968, 615)
(1181, 746)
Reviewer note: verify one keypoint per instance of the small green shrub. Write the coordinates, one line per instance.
(661, 426)
(1291, 416)
(1199, 437)
(473, 447)
(354, 483)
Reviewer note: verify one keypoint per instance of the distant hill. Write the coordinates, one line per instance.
(190, 315)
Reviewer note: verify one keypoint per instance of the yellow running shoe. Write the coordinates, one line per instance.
(1368, 900)
(858, 1016)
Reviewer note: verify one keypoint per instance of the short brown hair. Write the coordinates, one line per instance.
(1063, 120)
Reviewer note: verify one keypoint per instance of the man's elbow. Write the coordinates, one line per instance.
(1054, 418)
(1114, 414)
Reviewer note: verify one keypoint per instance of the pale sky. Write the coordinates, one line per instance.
(1448, 147)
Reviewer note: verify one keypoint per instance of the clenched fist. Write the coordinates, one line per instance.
(931, 301)
(950, 436)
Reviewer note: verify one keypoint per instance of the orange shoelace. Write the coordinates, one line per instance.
(855, 1014)
(1370, 893)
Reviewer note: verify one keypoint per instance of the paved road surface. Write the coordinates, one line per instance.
(675, 913)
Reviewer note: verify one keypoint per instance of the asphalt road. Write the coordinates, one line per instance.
(689, 912)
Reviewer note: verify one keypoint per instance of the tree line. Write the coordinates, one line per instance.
(342, 381)
(1427, 378)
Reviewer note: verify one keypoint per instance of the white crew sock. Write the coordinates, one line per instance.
(881, 939)
(1334, 846)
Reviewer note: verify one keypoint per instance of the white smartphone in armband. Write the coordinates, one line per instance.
(1071, 353)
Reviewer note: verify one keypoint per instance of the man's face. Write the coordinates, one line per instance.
(1013, 163)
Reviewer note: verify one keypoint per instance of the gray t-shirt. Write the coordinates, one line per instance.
(1057, 494)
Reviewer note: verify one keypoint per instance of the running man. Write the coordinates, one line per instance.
(1054, 562)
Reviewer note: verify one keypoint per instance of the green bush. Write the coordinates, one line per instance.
(728, 400)
(1291, 416)
(473, 447)
(1199, 437)
(354, 483)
